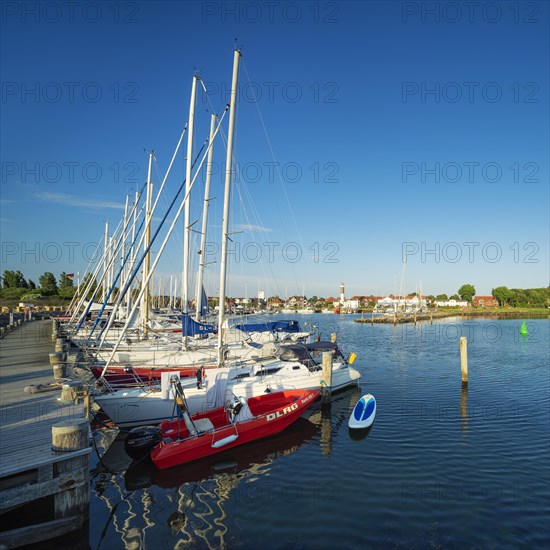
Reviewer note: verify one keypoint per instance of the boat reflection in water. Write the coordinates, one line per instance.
(190, 500)
(142, 474)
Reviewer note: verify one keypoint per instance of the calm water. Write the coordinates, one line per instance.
(441, 467)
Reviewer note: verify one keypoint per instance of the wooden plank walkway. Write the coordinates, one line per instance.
(29, 469)
(26, 420)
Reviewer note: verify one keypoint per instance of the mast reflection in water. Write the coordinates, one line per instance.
(189, 499)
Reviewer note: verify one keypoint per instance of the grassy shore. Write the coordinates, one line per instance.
(505, 312)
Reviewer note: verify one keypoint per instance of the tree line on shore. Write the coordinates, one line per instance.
(14, 286)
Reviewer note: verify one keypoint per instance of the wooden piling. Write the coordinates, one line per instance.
(59, 371)
(86, 404)
(60, 345)
(70, 435)
(56, 358)
(67, 436)
(326, 388)
(464, 358)
(70, 391)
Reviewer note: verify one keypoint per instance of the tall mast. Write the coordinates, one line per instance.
(147, 241)
(111, 262)
(186, 212)
(227, 199)
(125, 238)
(200, 276)
(170, 294)
(105, 247)
(132, 254)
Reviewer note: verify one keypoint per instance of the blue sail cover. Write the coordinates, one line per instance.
(190, 327)
(271, 326)
(204, 304)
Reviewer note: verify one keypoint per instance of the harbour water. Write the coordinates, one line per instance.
(443, 465)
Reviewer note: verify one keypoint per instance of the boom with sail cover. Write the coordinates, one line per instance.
(270, 326)
(190, 327)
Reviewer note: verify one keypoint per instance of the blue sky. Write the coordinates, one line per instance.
(378, 128)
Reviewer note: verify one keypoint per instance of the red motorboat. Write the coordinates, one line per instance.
(142, 474)
(204, 434)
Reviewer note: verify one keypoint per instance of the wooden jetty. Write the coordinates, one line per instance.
(398, 318)
(44, 446)
(437, 314)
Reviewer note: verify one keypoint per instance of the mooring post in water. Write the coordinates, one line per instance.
(464, 358)
(326, 391)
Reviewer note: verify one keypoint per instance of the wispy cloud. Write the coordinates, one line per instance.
(252, 228)
(4, 202)
(79, 202)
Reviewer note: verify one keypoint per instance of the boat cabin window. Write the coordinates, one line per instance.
(289, 354)
(268, 370)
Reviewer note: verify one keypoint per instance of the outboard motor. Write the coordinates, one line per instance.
(140, 441)
(234, 407)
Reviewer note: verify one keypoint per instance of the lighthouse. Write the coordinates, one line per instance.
(342, 294)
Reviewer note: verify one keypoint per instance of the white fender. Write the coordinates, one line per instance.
(224, 441)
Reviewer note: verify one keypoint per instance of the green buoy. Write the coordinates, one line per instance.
(523, 330)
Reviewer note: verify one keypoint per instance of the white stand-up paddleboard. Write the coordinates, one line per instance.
(363, 413)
